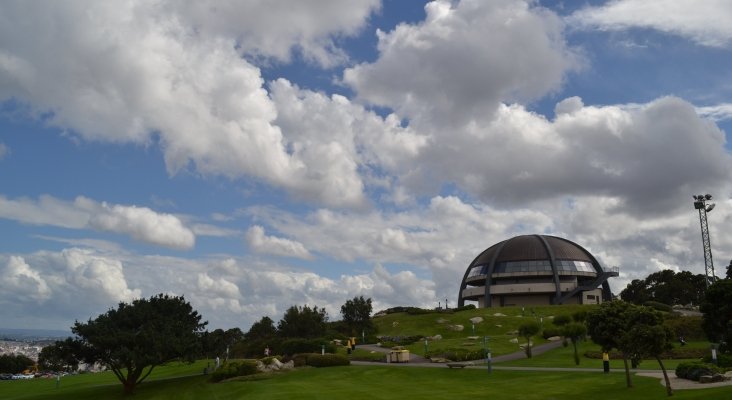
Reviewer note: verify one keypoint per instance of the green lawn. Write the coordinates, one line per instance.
(377, 382)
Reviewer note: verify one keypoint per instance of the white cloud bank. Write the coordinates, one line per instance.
(261, 243)
(140, 223)
(705, 22)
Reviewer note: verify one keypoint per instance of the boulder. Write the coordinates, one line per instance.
(436, 337)
(514, 340)
(554, 338)
(476, 320)
(711, 378)
(441, 321)
(499, 314)
(456, 328)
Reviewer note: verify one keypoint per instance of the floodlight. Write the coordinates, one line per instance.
(694, 196)
(708, 196)
(710, 207)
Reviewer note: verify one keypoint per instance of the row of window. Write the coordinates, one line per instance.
(533, 266)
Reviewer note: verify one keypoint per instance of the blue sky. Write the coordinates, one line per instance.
(254, 156)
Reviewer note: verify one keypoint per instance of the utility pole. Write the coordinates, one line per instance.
(700, 203)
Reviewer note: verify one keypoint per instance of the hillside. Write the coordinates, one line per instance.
(498, 325)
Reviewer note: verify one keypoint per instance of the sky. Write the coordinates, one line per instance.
(254, 155)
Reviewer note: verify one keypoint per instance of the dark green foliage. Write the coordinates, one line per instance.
(14, 364)
(666, 287)
(294, 346)
(527, 331)
(658, 306)
(551, 332)
(465, 307)
(214, 344)
(262, 329)
(688, 327)
(459, 354)
(303, 322)
(575, 332)
(579, 316)
(723, 360)
(390, 341)
(234, 369)
(135, 338)
(561, 320)
(693, 370)
(320, 361)
(60, 356)
(717, 309)
(410, 310)
(357, 316)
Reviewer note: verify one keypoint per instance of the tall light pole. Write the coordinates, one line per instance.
(700, 203)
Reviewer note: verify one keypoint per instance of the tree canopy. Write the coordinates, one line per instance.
(134, 338)
(303, 322)
(527, 331)
(60, 356)
(357, 315)
(667, 287)
(717, 309)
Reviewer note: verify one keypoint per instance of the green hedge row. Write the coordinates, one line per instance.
(320, 360)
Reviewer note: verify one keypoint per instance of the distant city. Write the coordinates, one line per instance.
(28, 342)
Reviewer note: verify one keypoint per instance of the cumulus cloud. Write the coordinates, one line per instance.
(464, 59)
(261, 243)
(717, 112)
(705, 22)
(24, 283)
(140, 223)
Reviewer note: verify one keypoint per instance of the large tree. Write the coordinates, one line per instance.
(357, 315)
(717, 309)
(303, 322)
(60, 356)
(134, 338)
(666, 287)
(527, 331)
(262, 329)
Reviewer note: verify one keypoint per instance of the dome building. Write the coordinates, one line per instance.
(535, 270)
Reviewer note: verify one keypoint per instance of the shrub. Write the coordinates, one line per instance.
(459, 354)
(693, 370)
(234, 369)
(391, 341)
(561, 320)
(295, 346)
(327, 360)
(658, 306)
(688, 327)
(549, 332)
(465, 307)
(723, 360)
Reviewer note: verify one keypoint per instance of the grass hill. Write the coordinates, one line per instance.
(499, 325)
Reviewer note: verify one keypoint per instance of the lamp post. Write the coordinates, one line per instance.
(700, 203)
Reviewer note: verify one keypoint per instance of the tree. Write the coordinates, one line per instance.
(60, 356)
(646, 336)
(357, 315)
(303, 322)
(218, 342)
(729, 270)
(606, 325)
(717, 309)
(636, 292)
(13, 364)
(667, 287)
(262, 329)
(575, 332)
(527, 331)
(135, 338)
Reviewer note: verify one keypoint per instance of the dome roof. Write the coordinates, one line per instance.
(534, 248)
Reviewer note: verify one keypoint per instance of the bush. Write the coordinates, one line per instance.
(459, 355)
(658, 306)
(561, 320)
(234, 369)
(693, 370)
(327, 360)
(465, 307)
(295, 346)
(549, 332)
(688, 327)
(391, 341)
(723, 360)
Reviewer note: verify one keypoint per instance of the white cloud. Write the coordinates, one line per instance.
(140, 223)
(23, 283)
(718, 112)
(705, 22)
(261, 243)
(464, 59)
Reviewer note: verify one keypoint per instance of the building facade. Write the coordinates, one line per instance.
(535, 270)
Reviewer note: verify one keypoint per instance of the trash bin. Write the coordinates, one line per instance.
(399, 356)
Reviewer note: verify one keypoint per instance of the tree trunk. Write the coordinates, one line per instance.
(128, 387)
(576, 357)
(628, 381)
(669, 391)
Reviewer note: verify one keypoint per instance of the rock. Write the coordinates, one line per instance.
(499, 314)
(499, 326)
(514, 340)
(288, 365)
(441, 321)
(395, 324)
(512, 333)
(473, 337)
(554, 338)
(711, 378)
(436, 337)
(456, 328)
(476, 320)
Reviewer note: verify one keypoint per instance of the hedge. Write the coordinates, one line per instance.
(234, 369)
(320, 360)
(693, 370)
